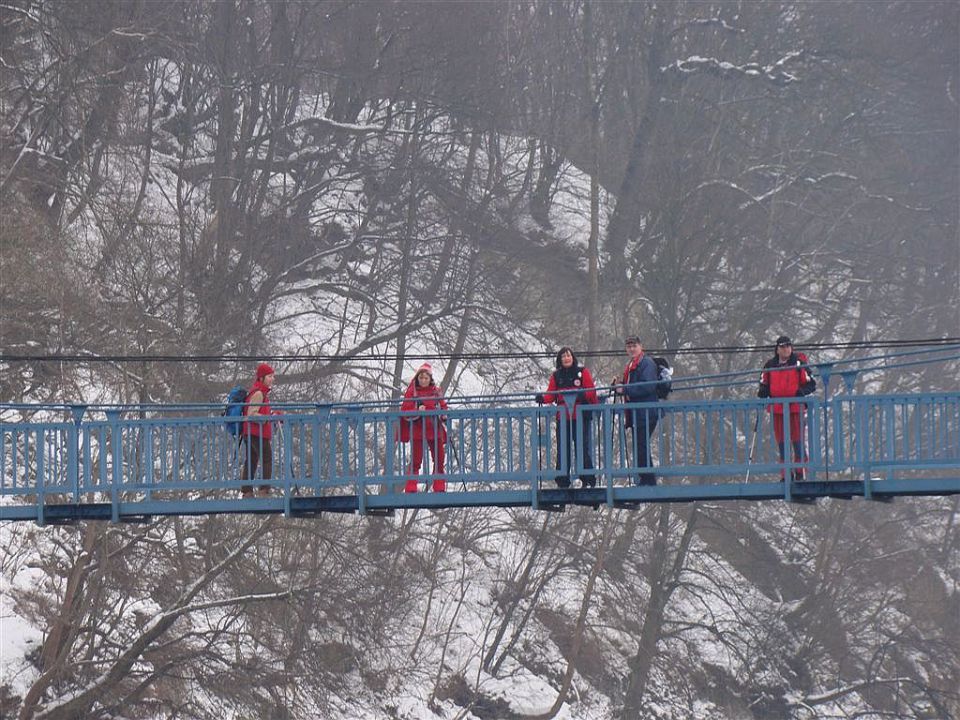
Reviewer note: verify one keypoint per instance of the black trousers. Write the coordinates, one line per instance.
(586, 449)
(254, 448)
(644, 422)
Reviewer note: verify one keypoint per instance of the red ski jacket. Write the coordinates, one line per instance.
(431, 398)
(576, 379)
(789, 379)
(258, 429)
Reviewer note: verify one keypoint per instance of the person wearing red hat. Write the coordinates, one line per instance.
(428, 431)
(256, 434)
(787, 374)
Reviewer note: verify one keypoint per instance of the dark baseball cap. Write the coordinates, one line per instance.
(784, 340)
(632, 340)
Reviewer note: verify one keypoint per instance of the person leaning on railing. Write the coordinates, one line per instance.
(572, 379)
(424, 395)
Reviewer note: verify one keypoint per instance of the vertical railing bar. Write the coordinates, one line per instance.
(509, 438)
(116, 451)
(361, 453)
(148, 457)
(813, 450)
(73, 460)
(317, 450)
(890, 413)
(3, 459)
(608, 422)
(41, 479)
(26, 459)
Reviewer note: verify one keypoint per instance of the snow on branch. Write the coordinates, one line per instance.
(774, 73)
(328, 124)
(21, 11)
(703, 22)
(834, 695)
(77, 703)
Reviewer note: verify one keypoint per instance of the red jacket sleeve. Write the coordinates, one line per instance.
(548, 396)
(591, 393)
(408, 402)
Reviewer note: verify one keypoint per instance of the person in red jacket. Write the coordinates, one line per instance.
(571, 381)
(256, 435)
(427, 431)
(787, 374)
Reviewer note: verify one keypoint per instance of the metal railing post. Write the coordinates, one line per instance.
(73, 450)
(787, 456)
(286, 465)
(116, 452)
(607, 429)
(41, 480)
(536, 461)
(813, 438)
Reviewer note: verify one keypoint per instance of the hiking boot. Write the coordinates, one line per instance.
(588, 482)
(563, 482)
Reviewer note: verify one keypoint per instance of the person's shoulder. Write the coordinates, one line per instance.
(772, 362)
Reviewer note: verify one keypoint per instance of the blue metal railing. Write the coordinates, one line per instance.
(182, 460)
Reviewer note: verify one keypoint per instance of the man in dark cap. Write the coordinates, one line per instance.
(639, 381)
(784, 375)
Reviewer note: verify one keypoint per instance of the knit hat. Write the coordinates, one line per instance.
(263, 370)
(784, 340)
(427, 368)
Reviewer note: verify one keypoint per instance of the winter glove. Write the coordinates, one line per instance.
(540, 399)
(763, 391)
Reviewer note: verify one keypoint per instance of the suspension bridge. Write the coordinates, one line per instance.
(68, 463)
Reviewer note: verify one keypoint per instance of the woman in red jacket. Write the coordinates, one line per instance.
(785, 375)
(256, 435)
(571, 381)
(428, 431)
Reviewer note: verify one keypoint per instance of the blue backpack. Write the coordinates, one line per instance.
(233, 412)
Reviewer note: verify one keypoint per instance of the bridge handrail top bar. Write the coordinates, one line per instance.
(293, 412)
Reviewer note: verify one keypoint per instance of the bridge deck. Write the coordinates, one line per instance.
(135, 463)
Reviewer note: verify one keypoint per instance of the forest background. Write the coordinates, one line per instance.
(210, 177)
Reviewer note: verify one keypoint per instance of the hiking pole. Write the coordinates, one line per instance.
(287, 462)
(456, 456)
(753, 445)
